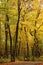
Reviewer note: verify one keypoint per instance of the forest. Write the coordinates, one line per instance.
(21, 30)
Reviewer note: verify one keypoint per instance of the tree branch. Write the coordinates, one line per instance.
(40, 26)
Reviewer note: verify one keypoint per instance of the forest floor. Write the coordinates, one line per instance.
(22, 63)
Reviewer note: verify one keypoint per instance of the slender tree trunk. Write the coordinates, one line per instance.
(19, 48)
(17, 28)
(7, 30)
(35, 38)
(27, 43)
(11, 51)
(0, 40)
(8, 27)
(6, 39)
(27, 52)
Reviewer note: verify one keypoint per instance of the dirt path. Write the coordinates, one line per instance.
(22, 63)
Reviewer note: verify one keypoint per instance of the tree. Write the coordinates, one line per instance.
(27, 43)
(36, 50)
(17, 27)
(0, 40)
(7, 30)
(19, 47)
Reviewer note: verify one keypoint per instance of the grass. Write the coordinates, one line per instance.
(4, 60)
(20, 58)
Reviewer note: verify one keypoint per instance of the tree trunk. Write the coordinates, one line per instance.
(27, 52)
(19, 48)
(27, 43)
(35, 38)
(0, 41)
(17, 28)
(6, 39)
(11, 51)
(7, 30)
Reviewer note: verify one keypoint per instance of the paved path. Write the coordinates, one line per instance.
(23, 63)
